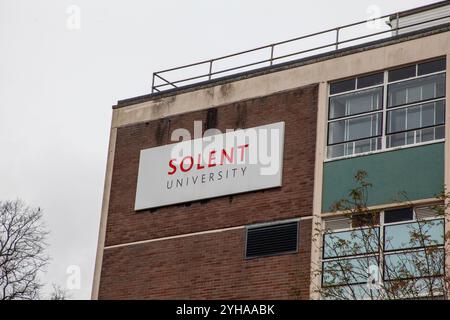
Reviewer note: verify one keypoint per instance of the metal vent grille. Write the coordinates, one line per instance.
(337, 224)
(271, 240)
(428, 212)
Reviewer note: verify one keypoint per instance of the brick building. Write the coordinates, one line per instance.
(376, 104)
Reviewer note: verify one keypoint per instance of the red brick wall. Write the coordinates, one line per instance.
(294, 199)
(208, 266)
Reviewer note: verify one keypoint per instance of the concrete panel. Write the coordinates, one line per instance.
(418, 171)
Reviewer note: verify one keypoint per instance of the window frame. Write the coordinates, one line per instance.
(409, 222)
(412, 105)
(368, 114)
(363, 256)
(424, 101)
(359, 113)
(351, 255)
(384, 110)
(382, 252)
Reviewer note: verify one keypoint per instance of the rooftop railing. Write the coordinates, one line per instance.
(292, 49)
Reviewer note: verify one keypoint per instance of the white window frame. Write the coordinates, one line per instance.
(384, 111)
(381, 226)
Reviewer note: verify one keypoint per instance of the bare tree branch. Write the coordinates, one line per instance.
(22, 250)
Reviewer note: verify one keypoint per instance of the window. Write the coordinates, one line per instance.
(405, 245)
(355, 128)
(398, 215)
(431, 67)
(417, 234)
(272, 239)
(355, 103)
(350, 243)
(420, 89)
(347, 271)
(414, 264)
(361, 118)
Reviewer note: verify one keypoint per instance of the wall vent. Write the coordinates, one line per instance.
(272, 239)
(429, 212)
(333, 224)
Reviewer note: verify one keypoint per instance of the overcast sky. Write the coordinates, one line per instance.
(58, 83)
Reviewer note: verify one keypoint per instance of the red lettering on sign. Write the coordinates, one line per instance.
(190, 164)
(199, 162)
(212, 158)
(225, 157)
(172, 166)
(242, 150)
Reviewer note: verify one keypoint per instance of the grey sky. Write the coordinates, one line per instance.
(57, 87)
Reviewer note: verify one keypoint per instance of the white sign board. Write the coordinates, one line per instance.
(222, 164)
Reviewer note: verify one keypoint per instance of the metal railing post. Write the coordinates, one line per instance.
(210, 69)
(397, 17)
(153, 83)
(337, 38)
(271, 54)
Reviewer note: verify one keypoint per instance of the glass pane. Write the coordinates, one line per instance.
(358, 128)
(362, 146)
(336, 131)
(417, 288)
(396, 120)
(432, 66)
(342, 86)
(350, 148)
(426, 135)
(427, 115)
(440, 112)
(439, 132)
(397, 97)
(410, 137)
(354, 128)
(414, 235)
(402, 73)
(398, 215)
(335, 151)
(355, 102)
(347, 271)
(363, 127)
(370, 80)
(416, 264)
(415, 94)
(352, 242)
(416, 117)
(428, 92)
(351, 292)
(416, 90)
(396, 140)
